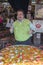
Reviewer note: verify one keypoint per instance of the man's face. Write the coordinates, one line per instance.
(20, 15)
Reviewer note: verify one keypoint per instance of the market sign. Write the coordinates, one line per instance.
(39, 25)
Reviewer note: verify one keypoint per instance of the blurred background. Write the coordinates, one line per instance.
(33, 10)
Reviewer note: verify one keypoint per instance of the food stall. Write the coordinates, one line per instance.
(21, 55)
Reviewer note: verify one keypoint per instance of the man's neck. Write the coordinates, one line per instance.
(21, 20)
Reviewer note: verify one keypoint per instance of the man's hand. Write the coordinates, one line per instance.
(31, 32)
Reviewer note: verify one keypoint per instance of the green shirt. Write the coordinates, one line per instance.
(21, 30)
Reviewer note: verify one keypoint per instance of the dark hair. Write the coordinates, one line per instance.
(20, 10)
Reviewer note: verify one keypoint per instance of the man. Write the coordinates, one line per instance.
(22, 29)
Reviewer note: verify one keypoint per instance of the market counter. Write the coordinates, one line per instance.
(21, 55)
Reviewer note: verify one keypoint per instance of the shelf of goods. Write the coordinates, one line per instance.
(4, 33)
(39, 11)
(6, 39)
(21, 55)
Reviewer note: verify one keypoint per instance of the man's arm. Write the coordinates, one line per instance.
(33, 28)
(12, 29)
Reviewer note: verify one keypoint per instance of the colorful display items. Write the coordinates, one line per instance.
(21, 55)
